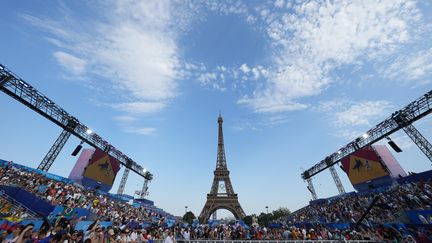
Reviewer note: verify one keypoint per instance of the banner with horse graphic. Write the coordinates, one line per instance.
(100, 171)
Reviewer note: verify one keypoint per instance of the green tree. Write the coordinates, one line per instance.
(281, 212)
(264, 219)
(248, 220)
(188, 217)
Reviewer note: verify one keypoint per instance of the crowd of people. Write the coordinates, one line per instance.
(75, 196)
(10, 210)
(390, 205)
(97, 233)
(120, 214)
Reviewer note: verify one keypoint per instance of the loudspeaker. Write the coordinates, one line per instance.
(77, 150)
(394, 146)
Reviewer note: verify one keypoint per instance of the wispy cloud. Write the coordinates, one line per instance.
(128, 124)
(140, 107)
(142, 130)
(315, 38)
(244, 125)
(349, 119)
(361, 114)
(125, 119)
(258, 124)
(71, 63)
(413, 67)
(134, 48)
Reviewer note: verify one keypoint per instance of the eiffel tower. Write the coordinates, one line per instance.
(221, 194)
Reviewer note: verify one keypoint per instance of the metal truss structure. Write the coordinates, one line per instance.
(49, 158)
(122, 185)
(421, 142)
(17, 88)
(336, 179)
(311, 188)
(401, 119)
(144, 189)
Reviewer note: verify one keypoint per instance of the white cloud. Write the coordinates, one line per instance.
(141, 131)
(265, 105)
(125, 119)
(134, 48)
(350, 119)
(244, 125)
(319, 37)
(244, 68)
(227, 7)
(279, 3)
(71, 63)
(207, 78)
(362, 113)
(331, 105)
(140, 107)
(412, 67)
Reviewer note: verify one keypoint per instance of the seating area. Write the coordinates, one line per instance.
(10, 208)
(390, 207)
(74, 212)
(65, 193)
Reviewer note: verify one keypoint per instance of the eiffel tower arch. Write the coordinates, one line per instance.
(221, 194)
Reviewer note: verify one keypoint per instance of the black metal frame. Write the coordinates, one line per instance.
(399, 119)
(17, 88)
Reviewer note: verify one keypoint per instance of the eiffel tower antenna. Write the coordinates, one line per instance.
(221, 194)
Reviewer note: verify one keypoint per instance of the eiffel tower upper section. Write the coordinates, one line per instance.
(221, 159)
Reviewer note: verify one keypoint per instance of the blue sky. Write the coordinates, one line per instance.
(295, 81)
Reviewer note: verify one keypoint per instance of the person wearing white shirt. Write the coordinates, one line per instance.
(170, 238)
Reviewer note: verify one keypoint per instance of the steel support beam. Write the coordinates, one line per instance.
(123, 181)
(52, 154)
(12, 85)
(144, 189)
(336, 179)
(414, 111)
(421, 142)
(311, 188)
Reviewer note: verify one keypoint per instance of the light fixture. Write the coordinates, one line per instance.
(77, 149)
(89, 131)
(394, 145)
(339, 152)
(366, 135)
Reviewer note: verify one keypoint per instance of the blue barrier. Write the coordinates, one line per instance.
(145, 202)
(83, 225)
(414, 216)
(70, 212)
(423, 176)
(29, 200)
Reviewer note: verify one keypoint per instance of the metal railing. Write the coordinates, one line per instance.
(268, 241)
(17, 205)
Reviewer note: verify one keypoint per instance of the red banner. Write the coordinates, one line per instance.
(363, 165)
(102, 168)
